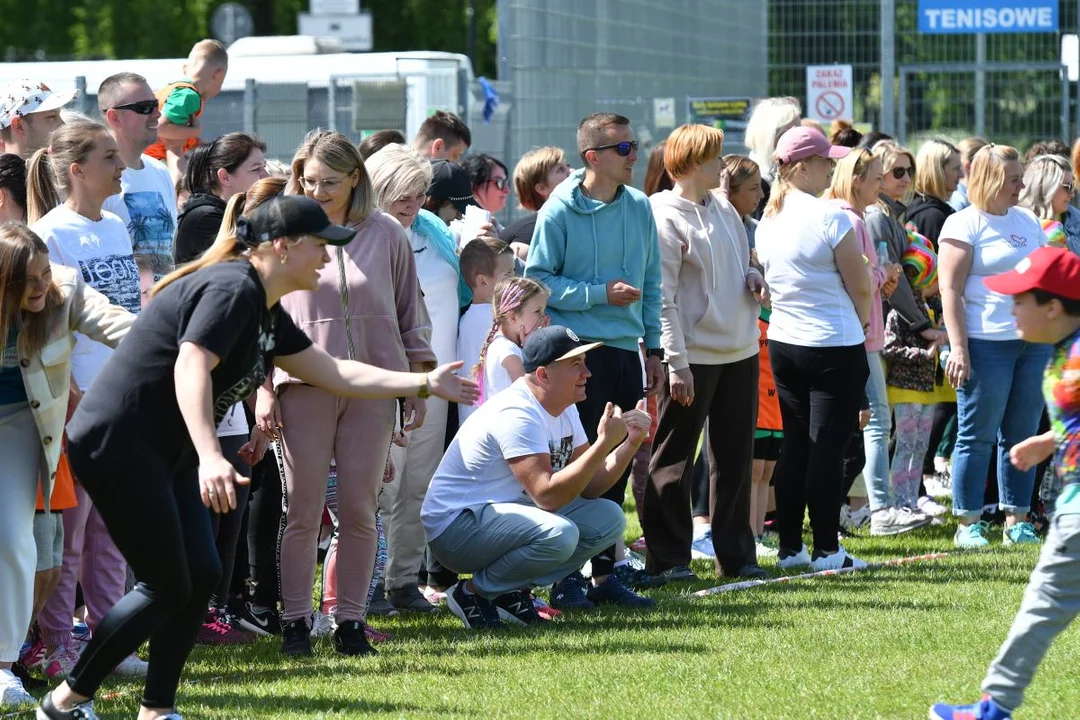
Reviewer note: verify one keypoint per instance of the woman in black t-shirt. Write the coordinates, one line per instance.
(204, 343)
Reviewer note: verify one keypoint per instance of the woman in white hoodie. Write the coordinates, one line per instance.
(710, 337)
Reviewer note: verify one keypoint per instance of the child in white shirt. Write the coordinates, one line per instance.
(519, 309)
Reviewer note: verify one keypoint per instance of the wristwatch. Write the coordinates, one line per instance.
(425, 389)
(656, 353)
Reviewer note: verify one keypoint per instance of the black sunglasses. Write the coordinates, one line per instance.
(500, 183)
(143, 107)
(900, 172)
(623, 148)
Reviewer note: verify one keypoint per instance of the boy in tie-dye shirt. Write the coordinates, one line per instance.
(1046, 304)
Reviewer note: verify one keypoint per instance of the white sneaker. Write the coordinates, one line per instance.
(766, 546)
(12, 692)
(132, 667)
(702, 548)
(837, 561)
(893, 521)
(854, 520)
(797, 560)
(322, 625)
(931, 507)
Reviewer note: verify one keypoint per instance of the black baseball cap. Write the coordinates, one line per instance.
(288, 216)
(450, 183)
(553, 344)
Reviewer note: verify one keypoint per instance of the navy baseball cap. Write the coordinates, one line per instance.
(450, 183)
(553, 344)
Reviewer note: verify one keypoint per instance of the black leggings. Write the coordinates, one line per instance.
(227, 527)
(266, 523)
(820, 391)
(155, 516)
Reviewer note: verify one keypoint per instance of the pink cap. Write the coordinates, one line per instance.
(800, 143)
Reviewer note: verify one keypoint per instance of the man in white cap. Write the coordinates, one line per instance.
(29, 112)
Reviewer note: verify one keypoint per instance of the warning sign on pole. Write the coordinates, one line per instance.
(829, 93)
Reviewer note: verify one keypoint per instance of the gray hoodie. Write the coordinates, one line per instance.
(885, 223)
(708, 317)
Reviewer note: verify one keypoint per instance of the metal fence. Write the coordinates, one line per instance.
(566, 59)
(1007, 87)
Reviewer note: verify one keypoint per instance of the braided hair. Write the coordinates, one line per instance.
(511, 296)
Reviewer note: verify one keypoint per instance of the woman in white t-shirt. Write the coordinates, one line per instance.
(519, 306)
(820, 285)
(82, 163)
(997, 376)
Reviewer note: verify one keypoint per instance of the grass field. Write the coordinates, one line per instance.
(877, 644)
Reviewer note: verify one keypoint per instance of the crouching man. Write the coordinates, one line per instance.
(516, 499)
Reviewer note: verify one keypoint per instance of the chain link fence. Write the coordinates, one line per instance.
(1009, 87)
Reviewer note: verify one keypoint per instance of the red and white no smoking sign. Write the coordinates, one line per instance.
(829, 92)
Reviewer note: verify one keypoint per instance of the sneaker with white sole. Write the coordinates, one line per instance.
(12, 693)
(893, 521)
(766, 546)
(932, 507)
(1021, 533)
(132, 667)
(47, 710)
(471, 609)
(63, 660)
(790, 560)
(322, 625)
(839, 560)
(702, 548)
(852, 521)
(971, 537)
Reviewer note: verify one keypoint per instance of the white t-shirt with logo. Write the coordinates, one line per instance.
(101, 252)
(810, 305)
(496, 376)
(473, 329)
(998, 243)
(475, 470)
(147, 207)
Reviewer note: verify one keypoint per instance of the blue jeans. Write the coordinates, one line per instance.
(997, 407)
(512, 546)
(876, 436)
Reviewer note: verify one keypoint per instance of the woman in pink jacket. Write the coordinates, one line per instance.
(368, 308)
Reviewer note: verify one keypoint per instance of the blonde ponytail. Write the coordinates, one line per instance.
(41, 193)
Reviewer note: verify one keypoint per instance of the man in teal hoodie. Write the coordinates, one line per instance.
(595, 247)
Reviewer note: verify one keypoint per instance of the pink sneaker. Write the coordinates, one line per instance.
(33, 657)
(638, 545)
(544, 610)
(374, 635)
(216, 630)
(62, 660)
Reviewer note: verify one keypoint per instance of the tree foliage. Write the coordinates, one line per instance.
(93, 29)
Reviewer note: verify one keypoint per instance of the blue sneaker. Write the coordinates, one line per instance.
(1021, 533)
(569, 594)
(971, 536)
(985, 709)
(613, 592)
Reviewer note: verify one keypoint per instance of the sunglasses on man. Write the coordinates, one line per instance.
(142, 107)
(623, 148)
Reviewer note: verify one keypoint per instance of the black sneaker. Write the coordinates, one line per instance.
(48, 711)
(350, 639)
(678, 573)
(410, 599)
(261, 621)
(613, 592)
(29, 681)
(636, 579)
(569, 594)
(750, 571)
(296, 638)
(380, 605)
(517, 608)
(473, 610)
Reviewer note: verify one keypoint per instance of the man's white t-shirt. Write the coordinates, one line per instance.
(475, 470)
(147, 206)
(496, 376)
(810, 306)
(473, 329)
(998, 243)
(439, 283)
(101, 252)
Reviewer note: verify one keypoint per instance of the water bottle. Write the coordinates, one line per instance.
(882, 254)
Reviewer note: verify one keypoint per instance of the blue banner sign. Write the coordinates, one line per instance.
(952, 17)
